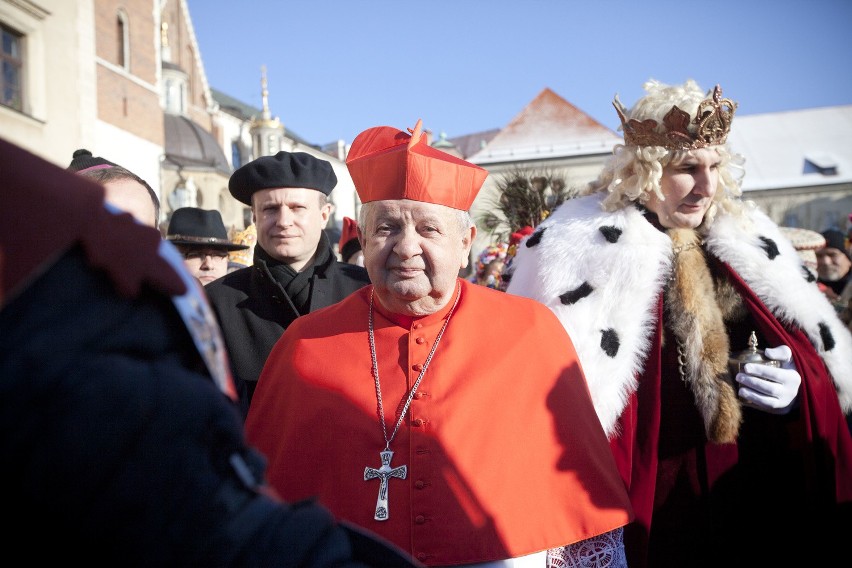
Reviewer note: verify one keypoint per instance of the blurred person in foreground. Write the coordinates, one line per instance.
(200, 236)
(121, 443)
(124, 189)
(295, 270)
(661, 274)
(449, 418)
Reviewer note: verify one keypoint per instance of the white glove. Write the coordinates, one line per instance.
(771, 389)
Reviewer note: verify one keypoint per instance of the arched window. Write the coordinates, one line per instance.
(11, 62)
(236, 155)
(122, 30)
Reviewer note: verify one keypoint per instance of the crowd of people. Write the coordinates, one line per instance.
(654, 375)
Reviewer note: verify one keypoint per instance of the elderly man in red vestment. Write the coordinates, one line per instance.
(450, 418)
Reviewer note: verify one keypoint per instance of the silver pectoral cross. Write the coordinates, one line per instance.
(383, 474)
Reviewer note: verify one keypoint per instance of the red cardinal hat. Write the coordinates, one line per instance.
(349, 232)
(386, 163)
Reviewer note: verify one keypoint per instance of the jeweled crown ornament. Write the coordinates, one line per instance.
(713, 119)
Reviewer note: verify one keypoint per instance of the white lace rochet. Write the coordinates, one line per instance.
(602, 551)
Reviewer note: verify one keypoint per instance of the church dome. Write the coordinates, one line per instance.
(188, 145)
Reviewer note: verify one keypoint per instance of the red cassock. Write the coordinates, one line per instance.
(504, 453)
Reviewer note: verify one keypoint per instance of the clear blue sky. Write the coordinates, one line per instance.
(337, 67)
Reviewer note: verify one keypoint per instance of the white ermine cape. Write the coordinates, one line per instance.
(602, 274)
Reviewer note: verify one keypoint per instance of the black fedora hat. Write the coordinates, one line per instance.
(191, 226)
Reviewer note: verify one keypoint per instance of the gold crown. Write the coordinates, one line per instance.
(713, 117)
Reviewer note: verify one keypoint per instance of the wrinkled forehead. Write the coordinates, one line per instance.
(409, 210)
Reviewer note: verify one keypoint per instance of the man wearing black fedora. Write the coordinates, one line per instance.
(295, 269)
(200, 236)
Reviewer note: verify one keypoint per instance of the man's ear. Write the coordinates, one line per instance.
(467, 243)
(325, 212)
(253, 210)
(330, 208)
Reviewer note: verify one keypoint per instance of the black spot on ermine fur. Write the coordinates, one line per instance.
(770, 247)
(610, 342)
(610, 233)
(827, 338)
(535, 238)
(577, 294)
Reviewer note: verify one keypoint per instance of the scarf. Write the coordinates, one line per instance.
(297, 285)
(702, 340)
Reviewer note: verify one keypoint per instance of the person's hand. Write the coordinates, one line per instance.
(771, 389)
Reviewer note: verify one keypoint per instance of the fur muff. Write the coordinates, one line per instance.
(696, 320)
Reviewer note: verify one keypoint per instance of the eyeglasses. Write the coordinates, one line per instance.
(202, 254)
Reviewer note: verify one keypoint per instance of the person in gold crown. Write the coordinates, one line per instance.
(450, 418)
(661, 273)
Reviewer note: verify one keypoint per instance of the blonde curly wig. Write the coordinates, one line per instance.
(633, 173)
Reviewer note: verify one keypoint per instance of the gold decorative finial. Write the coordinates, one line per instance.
(752, 342)
(713, 119)
(264, 93)
(266, 120)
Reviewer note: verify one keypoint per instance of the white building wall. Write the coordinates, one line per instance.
(59, 77)
(138, 155)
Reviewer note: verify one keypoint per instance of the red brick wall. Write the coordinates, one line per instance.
(121, 100)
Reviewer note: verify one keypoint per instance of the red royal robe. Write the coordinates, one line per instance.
(788, 479)
(505, 455)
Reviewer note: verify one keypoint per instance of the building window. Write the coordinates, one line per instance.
(273, 144)
(122, 29)
(236, 156)
(11, 80)
(175, 96)
(821, 163)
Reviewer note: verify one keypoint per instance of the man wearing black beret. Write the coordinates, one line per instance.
(295, 270)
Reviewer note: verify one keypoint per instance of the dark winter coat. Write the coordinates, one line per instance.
(254, 310)
(121, 443)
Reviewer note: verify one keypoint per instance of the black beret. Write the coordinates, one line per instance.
(284, 169)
